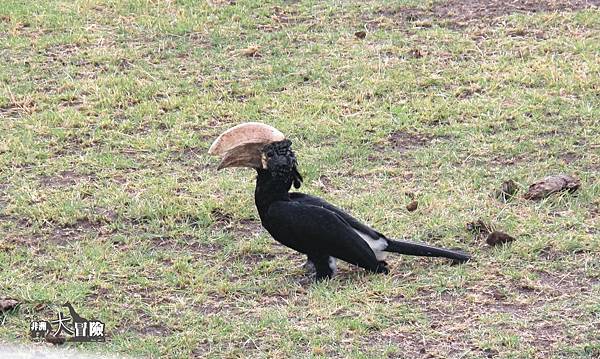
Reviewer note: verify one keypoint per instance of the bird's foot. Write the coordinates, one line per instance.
(382, 267)
(309, 266)
(319, 277)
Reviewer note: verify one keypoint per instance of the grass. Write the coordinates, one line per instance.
(109, 200)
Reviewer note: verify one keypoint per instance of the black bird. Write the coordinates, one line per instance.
(305, 223)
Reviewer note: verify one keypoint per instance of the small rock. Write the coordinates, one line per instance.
(495, 238)
(252, 51)
(416, 53)
(479, 227)
(551, 185)
(55, 340)
(7, 304)
(507, 190)
(490, 353)
(412, 206)
(360, 34)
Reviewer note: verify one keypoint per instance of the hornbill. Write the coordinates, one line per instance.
(305, 223)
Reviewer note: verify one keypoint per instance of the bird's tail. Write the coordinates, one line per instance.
(420, 249)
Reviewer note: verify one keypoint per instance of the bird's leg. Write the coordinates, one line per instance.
(309, 266)
(382, 267)
(325, 267)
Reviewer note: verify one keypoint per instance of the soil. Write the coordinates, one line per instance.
(466, 10)
(460, 12)
(404, 141)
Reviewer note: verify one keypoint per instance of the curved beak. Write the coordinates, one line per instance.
(241, 146)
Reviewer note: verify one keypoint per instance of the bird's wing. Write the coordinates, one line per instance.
(318, 231)
(374, 238)
(319, 202)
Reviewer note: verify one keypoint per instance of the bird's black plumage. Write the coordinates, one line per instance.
(323, 232)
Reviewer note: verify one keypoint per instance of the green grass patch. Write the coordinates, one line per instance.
(109, 200)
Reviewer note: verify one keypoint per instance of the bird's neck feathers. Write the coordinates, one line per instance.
(270, 188)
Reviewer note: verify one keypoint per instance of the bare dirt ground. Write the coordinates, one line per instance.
(464, 11)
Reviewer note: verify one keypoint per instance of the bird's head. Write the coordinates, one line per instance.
(259, 146)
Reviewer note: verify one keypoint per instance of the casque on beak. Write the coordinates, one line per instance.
(241, 146)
